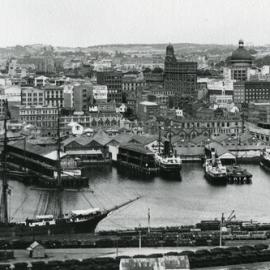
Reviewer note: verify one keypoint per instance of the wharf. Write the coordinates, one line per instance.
(238, 175)
(28, 177)
(134, 169)
(111, 258)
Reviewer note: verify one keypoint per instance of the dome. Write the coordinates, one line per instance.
(241, 54)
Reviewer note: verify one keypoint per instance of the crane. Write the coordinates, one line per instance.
(223, 223)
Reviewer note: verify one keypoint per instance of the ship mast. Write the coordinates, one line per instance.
(59, 170)
(159, 137)
(170, 139)
(4, 202)
(123, 204)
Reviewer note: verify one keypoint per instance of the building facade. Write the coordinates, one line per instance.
(82, 97)
(257, 91)
(239, 92)
(180, 77)
(113, 80)
(43, 118)
(93, 120)
(147, 110)
(190, 128)
(32, 96)
(131, 84)
(54, 95)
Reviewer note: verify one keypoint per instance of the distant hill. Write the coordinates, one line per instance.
(180, 48)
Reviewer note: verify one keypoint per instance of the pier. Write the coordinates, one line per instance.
(237, 175)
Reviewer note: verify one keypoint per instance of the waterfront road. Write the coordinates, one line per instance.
(83, 253)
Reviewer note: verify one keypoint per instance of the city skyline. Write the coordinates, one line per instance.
(87, 23)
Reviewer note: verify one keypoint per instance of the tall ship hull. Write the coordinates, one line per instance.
(60, 227)
(75, 221)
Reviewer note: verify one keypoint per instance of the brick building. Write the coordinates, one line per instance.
(180, 77)
(113, 80)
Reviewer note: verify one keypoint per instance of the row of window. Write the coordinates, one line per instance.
(212, 124)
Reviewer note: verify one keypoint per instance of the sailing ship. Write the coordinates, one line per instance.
(215, 172)
(169, 162)
(75, 221)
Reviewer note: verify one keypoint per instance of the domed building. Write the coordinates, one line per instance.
(240, 62)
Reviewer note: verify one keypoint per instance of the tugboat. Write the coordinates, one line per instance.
(51, 221)
(169, 163)
(265, 159)
(215, 172)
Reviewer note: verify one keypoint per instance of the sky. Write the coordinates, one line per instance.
(94, 22)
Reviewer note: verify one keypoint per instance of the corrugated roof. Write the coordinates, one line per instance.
(121, 138)
(144, 140)
(101, 137)
(190, 150)
(32, 148)
(137, 148)
(199, 139)
(220, 150)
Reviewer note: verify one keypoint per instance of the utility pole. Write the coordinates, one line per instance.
(140, 238)
(4, 176)
(59, 194)
(149, 217)
(220, 231)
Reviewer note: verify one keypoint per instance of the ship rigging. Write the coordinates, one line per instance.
(75, 221)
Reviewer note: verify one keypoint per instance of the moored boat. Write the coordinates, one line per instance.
(265, 159)
(169, 163)
(58, 222)
(215, 172)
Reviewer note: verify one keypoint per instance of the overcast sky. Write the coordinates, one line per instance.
(92, 22)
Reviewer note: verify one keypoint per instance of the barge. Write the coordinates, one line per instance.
(238, 175)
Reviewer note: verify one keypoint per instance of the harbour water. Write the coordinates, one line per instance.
(171, 202)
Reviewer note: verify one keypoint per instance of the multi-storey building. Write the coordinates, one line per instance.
(257, 91)
(113, 80)
(153, 76)
(131, 83)
(44, 118)
(147, 110)
(259, 113)
(82, 96)
(239, 92)
(100, 93)
(41, 81)
(180, 77)
(32, 96)
(54, 95)
(240, 63)
(93, 120)
(213, 126)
